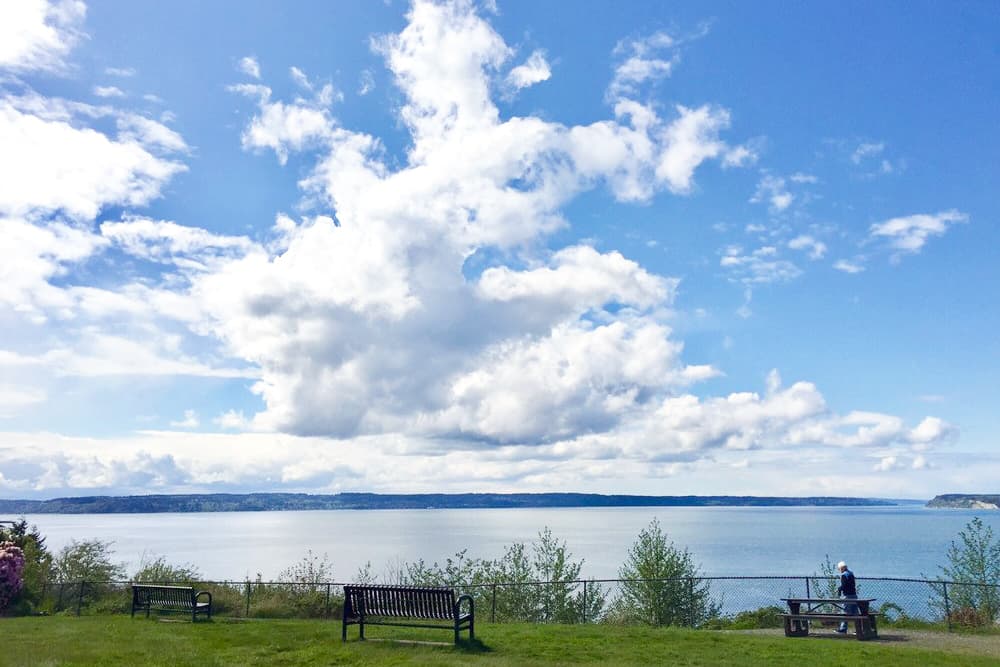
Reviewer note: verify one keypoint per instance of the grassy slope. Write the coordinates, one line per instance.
(122, 641)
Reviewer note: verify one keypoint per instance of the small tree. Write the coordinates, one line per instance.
(560, 601)
(87, 560)
(662, 584)
(827, 583)
(973, 562)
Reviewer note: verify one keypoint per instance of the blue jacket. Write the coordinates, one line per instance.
(847, 586)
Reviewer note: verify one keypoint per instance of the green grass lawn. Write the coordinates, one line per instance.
(116, 640)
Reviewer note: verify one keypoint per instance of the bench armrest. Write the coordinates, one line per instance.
(458, 605)
(200, 593)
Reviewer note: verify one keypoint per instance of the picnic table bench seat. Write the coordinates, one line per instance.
(171, 598)
(801, 611)
(406, 606)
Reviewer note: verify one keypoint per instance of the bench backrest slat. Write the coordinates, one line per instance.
(163, 596)
(401, 601)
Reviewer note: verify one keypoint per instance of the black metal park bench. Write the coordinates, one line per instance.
(396, 605)
(170, 598)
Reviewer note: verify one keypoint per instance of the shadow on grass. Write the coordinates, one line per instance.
(473, 646)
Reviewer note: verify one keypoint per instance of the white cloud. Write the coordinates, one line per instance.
(865, 151)
(92, 170)
(285, 127)
(149, 133)
(13, 399)
(758, 267)
(249, 66)
(123, 72)
(366, 82)
(108, 91)
(232, 420)
(534, 70)
(644, 60)
(815, 249)
(771, 189)
(36, 35)
(909, 234)
(581, 278)
(800, 177)
(848, 266)
(420, 320)
(190, 420)
(299, 77)
(165, 241)
(690, 140)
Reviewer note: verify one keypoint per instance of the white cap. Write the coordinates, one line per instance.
(841, 564)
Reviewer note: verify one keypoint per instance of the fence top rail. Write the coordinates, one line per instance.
(252, 582)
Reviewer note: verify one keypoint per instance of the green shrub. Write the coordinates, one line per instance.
(764, 617)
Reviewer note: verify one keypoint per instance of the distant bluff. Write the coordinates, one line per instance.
(966, 501)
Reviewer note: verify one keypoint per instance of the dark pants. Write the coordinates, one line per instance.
(850, 610)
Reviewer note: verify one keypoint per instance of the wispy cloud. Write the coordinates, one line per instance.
(108, 91)
(909, 234)
(249, 66)
(534, 70)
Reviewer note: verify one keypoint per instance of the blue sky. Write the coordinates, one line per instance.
(692, 248)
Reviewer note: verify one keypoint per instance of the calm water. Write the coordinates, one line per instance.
(905, 541)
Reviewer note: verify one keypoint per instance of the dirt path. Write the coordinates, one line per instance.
(952, 642)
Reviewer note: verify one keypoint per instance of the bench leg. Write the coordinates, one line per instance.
(361, 630)
(343, 631)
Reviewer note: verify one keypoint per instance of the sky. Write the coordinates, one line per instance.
(642, 247)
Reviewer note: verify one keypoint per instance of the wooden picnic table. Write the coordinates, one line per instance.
(803, 610)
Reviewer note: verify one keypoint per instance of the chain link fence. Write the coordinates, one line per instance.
(710, 602)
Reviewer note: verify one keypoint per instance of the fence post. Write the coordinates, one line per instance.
(493, 606)
(79, 599)
(328, 600)
(62, 588)
(248, 599)
(807, 588)
(691, 601)
(586, 613)
(947, 605)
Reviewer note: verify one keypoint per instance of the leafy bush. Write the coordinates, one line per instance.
(530, 582)
(301, 593)
(157, 570)
(662, 584)
(37, 566)
(11, 573)
(969, 617)
(765, 617)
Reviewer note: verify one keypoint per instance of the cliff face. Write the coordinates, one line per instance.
(966, 501)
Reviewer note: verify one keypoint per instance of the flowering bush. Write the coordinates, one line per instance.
(11, 573)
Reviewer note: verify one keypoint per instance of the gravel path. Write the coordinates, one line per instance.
(952, 642)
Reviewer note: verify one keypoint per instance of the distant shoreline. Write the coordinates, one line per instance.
(263, 502)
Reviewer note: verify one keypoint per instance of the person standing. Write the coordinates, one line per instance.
(848, 590)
